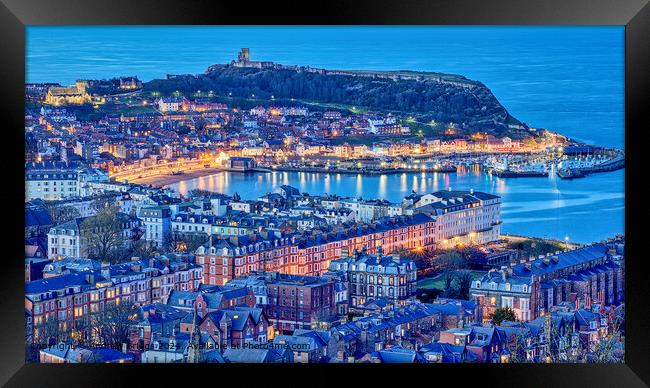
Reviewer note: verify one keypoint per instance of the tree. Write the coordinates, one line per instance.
(61, 214)
(143, 249)
(104, 202)
(464, 282)
(111, 325)
(611, 347)
(517, 349)
(448, 279)
(451, 261)
(183, 242)
(199, 193)
(49, 331)
(103, 234)
(503, 314)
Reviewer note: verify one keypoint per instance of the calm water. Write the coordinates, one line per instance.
(567, 79)
(585, 210)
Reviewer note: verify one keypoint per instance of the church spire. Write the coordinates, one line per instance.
(195, 350)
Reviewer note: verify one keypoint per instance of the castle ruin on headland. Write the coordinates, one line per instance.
(243, 61)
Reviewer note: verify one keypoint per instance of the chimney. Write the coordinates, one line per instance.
(105, 270)
(164, 260)
(471, 191)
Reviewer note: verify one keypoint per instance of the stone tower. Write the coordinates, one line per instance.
(244, 55)
(195, 349)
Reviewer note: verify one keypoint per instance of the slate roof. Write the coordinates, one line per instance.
(382, 225)
(256, 356)
(565, 260)
(321, 337)
(56, 283)
(386, 321)
(82, 355)
(450, 353)
(389, 264)
(37, 216)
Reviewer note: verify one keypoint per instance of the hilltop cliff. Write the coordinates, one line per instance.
(428, 96)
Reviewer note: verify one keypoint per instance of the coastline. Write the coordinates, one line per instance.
(165, 180)
(362, 172)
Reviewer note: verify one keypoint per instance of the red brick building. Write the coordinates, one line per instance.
(310, 255)
(71, 298)
(298, 302)
(234, 327)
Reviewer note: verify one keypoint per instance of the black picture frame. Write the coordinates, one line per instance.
(633, 14)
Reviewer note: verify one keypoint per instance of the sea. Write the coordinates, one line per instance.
(567, 79)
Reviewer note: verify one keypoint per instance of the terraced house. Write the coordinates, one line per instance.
(532, 287)
(309, 254)
(69, 299)
(376, 332)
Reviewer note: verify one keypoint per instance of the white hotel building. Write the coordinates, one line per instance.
(462, 217)
(56, 181)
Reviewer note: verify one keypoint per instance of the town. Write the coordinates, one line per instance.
(132, 273)
(120, 267)
(143, 137)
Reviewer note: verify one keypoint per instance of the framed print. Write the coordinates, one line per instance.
(422, 188)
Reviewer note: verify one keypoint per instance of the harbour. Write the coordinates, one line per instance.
(548, 207)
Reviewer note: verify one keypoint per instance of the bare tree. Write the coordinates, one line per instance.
(50, 331)
(61, 214)
(104, 202)
(111, 325)
(611, 347)
(143, 249)
(103, 234)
